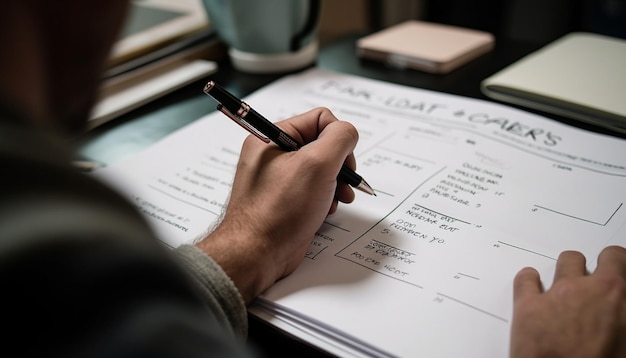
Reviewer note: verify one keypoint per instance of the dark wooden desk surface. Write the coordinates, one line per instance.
(144, 126)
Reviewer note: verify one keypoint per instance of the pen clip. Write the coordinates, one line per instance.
(247, 126)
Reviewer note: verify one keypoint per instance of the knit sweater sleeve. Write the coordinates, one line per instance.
(216, 289)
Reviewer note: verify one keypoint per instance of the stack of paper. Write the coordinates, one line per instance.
(469, 192)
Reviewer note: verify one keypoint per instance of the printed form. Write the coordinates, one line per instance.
(468, 193)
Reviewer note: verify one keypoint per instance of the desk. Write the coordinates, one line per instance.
(142, 127)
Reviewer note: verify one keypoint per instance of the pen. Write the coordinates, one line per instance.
(255, 123)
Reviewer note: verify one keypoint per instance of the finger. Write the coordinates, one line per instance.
(320, 124)
(307, 126)
(333, 207)
(526, 282)
(339, 137)
(351, 162)
(612, 260)
(570, 264)
(327, 139)
(329, 152)
(344, 193)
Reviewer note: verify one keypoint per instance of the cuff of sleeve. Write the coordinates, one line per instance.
(217, 289)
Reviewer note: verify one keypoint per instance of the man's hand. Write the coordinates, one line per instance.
(280, 199)
(581, 315)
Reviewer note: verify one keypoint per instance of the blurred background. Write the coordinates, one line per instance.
(533, 21)
(163, 36)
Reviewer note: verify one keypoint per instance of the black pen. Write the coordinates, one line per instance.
(255, 123)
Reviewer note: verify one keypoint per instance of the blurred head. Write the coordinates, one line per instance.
(53, 53)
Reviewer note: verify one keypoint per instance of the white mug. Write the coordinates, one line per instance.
(267, 36)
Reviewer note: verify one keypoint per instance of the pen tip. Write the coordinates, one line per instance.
(366, 188)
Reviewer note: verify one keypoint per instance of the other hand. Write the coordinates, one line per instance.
(581, 315)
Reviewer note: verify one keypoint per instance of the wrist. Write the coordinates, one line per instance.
(243, 258)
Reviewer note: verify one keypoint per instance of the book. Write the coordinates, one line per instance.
(165, 45)
(468, 193)
(579, 76)
(152, 24)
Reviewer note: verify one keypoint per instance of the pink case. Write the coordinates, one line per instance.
(425, 46)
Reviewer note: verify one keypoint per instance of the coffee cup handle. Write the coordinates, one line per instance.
(309, 26)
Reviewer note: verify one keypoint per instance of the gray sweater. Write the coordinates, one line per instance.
(81, 274)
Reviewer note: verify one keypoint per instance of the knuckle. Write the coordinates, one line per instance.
(349, 131)
(324, 111)
(614, 282)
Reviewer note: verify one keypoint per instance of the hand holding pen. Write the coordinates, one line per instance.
(255, 123)
(278, 200)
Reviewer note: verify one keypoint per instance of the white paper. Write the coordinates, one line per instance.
(469, 192)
